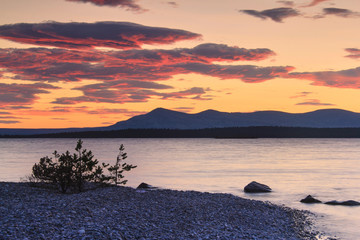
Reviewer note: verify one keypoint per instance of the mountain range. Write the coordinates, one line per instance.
(161, 118)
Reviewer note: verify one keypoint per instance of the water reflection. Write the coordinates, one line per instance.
(328, 169)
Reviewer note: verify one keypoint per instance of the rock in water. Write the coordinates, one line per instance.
(310, 199)
(255, 187)
(144, 186)
(344, 203)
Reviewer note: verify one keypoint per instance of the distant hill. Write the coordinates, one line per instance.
(168, 119)
(161, 118)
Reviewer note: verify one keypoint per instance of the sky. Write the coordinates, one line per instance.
(90, 63)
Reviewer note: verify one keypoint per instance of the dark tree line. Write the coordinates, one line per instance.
(233, 132)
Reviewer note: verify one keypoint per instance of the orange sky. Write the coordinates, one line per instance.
(87, 63)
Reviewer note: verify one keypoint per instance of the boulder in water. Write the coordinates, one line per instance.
(310, 199)
(144, 186)
(255, 187)
(344, 203)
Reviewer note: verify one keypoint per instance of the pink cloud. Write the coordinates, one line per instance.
(315, 2)
(247, 73)
(41, 64)
(349, 78)
(105, 95)
(22, 94)
(135, 75)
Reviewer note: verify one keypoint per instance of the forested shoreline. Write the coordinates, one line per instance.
(232, 132)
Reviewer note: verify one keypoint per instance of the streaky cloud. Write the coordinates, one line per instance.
(287, 3)
(122, 111)
(127, 91)
(173, 4)
(275, 14)
(246, 73)
(121, 35)
(9, 121)
(135, 75)
(349, 78)
(54, 65)
(301, 94)
(315, 2)
(221, 52)
(314, 102)
(354, 53)
(340, 12)
(22, 94)
(4, 113)
(128, 4)
(127, 95)
(17, 107)
(184, 109)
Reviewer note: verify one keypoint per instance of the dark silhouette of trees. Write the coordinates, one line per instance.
(74, 170)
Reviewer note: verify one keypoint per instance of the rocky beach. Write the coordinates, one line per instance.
(31, 212)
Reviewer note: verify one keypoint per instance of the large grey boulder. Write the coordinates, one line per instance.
(255, 187)
(344, 203)
(310, 199)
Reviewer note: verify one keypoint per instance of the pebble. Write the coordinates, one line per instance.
(32, 212)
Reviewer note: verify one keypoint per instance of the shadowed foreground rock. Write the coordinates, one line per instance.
(125, 213)
(255, 187)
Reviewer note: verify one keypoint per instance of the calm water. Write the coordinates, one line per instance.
(328, 169)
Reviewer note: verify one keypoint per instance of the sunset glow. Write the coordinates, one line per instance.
(89, 63)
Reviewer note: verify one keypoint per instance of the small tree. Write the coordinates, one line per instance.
(73, 170)
(120, 167)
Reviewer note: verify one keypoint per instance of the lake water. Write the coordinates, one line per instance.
(328, 169)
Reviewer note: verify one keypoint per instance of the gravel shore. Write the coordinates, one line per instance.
(30, 212)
